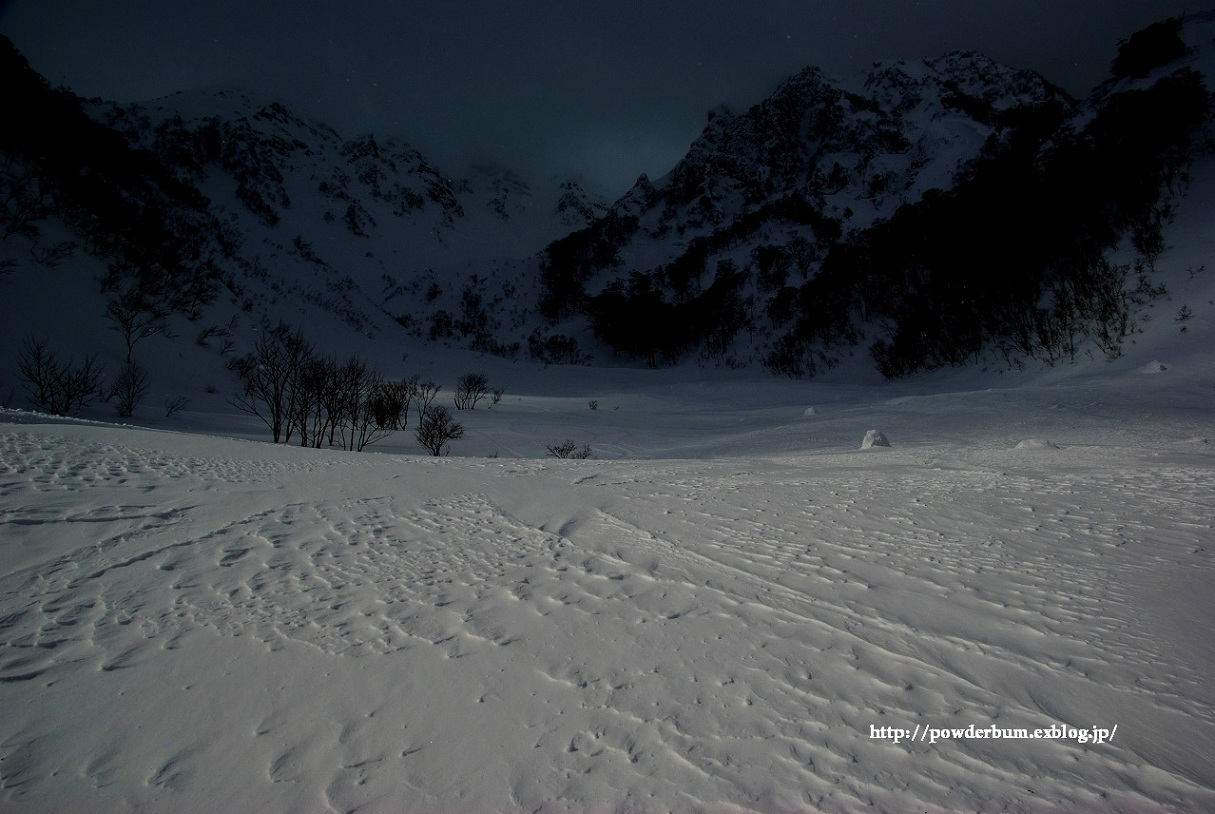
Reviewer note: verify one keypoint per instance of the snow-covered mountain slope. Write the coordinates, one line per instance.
(276, 218)
(933, 213)
(792, 174)
(338, 222)
(307, 178)
(822, 224)
(856, 149)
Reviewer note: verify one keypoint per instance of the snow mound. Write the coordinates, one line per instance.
(1154, 367)
(1036, 443)
(810, 412)
(875, 438)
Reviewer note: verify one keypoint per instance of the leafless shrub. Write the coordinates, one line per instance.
(175, 406)
(390, 403)
(569, 449)
(437, 429)
(130, 388)
(56, 386)
(470, 389)
(424, 394)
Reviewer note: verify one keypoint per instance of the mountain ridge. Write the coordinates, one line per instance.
(770, 243)
(787, 221)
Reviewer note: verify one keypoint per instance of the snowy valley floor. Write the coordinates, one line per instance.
(198, 624)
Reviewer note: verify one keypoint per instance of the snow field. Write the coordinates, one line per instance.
(194, 624)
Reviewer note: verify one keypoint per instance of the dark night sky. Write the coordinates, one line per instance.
(607, 90)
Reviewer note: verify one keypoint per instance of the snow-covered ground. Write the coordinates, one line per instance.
(730, 608)
(714, 614)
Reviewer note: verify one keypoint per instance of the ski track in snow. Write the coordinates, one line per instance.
(306, 632)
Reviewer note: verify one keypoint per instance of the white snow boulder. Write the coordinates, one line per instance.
(809, 412)
(1036, 443)
(875, 438)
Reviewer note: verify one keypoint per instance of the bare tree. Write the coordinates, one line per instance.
(51, 256)
(358, 385)
(424, 393)
(131, 387)
(470, 389)
(437, 429)
(40, 371)
(136, 313)
(59, 387)
(269, 379)
(311, 404)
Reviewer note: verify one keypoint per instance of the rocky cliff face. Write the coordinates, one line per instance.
(855, 151)
(831, 213)
(363, 227)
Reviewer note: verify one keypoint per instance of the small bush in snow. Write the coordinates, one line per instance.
(470, 389)
(1183, 316)
(569, 449)
(437, 429)
(175, 406)
(390, 403)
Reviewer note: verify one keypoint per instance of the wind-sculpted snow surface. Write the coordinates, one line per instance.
(191, 624)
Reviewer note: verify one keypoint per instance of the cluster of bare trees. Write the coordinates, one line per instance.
(298, 393)
(65, 387)
(61, 387)
(471, 388)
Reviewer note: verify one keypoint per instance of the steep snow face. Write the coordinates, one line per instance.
(745, 221)
(832, 215)
(331, 222)
(947, 109)
(867, 146)
(576, 208)
(851, 152)
(378, 188)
